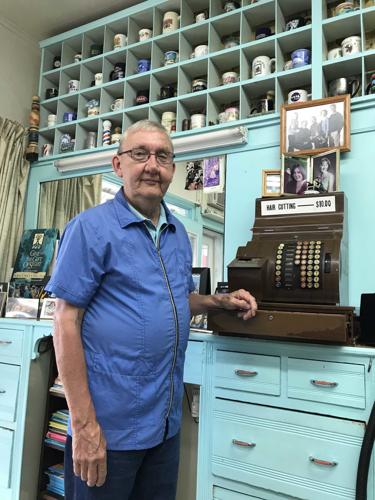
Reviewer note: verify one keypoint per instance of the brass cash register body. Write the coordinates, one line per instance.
(296, 267)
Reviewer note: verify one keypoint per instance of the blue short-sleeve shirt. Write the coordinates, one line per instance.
(136, 322)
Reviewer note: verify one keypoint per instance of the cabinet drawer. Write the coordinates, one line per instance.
(10, 345)
(6, 444)
(298, 454)
(224, 494)
(9, 375)
(247, 372)
(327, 382)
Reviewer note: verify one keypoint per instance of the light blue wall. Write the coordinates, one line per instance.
(357, 180)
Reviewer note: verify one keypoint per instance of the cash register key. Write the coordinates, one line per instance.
(278, 285)
(316, 279)
(309, 285)
(278, 267)
(278, 273)
(316, 262)
(316, 273)
(309, 273)
(297, 262)
(310, 262)
(309, 268)
(303, 285)
(303, 273)
(318, 242)
(316, 268)
(278, 262)
(316, 285)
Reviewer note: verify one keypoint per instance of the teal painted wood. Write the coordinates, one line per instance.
(21, 339)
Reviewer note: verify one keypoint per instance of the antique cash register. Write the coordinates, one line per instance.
(296, 267)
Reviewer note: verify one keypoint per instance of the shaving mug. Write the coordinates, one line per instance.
(144, 34)
(200, 50)
(344, 7)
(50, 93)
(298, 95)
(198, 120)
(301, 57)
(351, 45)
(229, 77)
(262, 32)
(168, 120)
(73, 86)
(170, 57)
(342, 86)
(262, 66)
(296, 22)
(334, 53)
(69, 116)
(263, 106)
(98, 78)
(51, 120)
(117, 104)
(171, 21)
(119, 41)
(229, 6)
(143, 65)
(201, 16)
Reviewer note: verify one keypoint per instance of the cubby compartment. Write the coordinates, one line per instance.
(251, 96)
(330, 10)
(196, 70)
(52, 81)
(68, 104)
(224, 101)
(301, 80)
(49, 54)
(249, 68)
(255, 17)
(88, 71)
(139, 59)
(72, 48)
(162, 51)
(109, 64)
(339, 28)
(135, 86)
(46, 143)
(48, 108)
(139, 21)
(85, 102)
(164, 85)
(113, 29)
(65, 133)
(369, 64)
(225, 32)
(85, 131)
(93, 42)
(289, 42)
(116, 121)
(217, 8)
(189, 106)
(225, 63)
(190, 9)
(72, 75)
(109, 96)
(291, 15)
(191, 39)
(368, 22)
(159, 21)
(135, 114)
(349, 68)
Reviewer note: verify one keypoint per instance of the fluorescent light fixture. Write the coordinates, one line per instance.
(200, 141)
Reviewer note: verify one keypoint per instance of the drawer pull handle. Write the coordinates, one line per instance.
(243, 443)
(326, 463)
(2, 391)
(324, 383)
(245, 373)
(5, 342)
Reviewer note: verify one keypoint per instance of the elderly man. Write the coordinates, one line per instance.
(123, 282)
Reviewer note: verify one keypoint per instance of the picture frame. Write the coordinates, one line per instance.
(48, 308)
(319, 173)
(202, 282)
(17, 307)
(315, 126)
(271, 183)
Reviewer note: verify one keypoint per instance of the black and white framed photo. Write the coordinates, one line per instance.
(21, 308)
(326, 171)
(48, 308)
(315, 126)
(295, 174)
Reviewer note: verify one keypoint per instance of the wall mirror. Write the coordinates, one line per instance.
(202, 214)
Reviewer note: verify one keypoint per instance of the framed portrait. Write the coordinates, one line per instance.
(325, 170)
(295, 174)
(48, 308)
(214, 174)
(315, 126)
(271, 183)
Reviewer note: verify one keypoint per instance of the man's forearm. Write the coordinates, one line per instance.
(203, 303)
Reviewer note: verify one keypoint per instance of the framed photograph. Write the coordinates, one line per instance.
(315, 126)
(271, 183)
(214, 174)
(21, 308)
(325, 169)
(48, 308)
(295, 174)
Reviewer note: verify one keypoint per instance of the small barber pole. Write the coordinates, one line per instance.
(107, 125)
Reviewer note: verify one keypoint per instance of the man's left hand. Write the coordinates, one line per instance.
(240, 300)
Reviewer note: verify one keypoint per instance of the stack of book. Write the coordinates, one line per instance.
(57, 429)
(57, 387)
(55, 484)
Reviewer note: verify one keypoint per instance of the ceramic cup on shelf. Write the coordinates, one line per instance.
(295, 22)
(171, 22)
(69, 116)
(342, 86)
(77, 57)
(262, 66)
(117, 104)
(50, 93)
(198, 84)
(298, 95)
(144, 34)
(263, 106)
(232, 113)
(229, 6)
(197, 120)
(47, 149)
(201, 50)
(344, 8)
(119, 41)
(118, 71)
(229, 77)
(301, 57)
(167, 91)
(98, 78)
(143, 65)
(168, 120)
(142, 97)
(170, 57)
(288, 65)
(351, 45)
(73, 86)
(200, 16)
(51, 120)
(90, 141)
(334, 53)
(262, 32)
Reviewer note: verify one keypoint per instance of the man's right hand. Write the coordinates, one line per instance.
(90, 454)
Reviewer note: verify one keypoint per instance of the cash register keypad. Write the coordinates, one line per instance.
(298, 264)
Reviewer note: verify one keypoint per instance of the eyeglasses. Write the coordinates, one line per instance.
(142, 155)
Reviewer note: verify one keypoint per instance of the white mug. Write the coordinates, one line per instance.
(144, 34)
(351, 45)
(98, 78)
(171, 21)
(229, 77)
(334, 53)
(198, 120)
(117, 104)
(73, 86)
(262, 66)
(168, 120)
(51, 120)
(200, 50)
(288, 65)
(119, 41)
(298, 95)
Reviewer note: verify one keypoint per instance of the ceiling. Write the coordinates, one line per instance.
(40, 19)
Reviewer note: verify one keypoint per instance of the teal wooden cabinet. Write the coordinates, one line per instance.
(281, 420)
(23, 389)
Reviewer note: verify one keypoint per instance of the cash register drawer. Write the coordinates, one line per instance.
(10, 345)
(327, 382)
(6, 444)
(294, 453)
(247, 372)
(9, 375)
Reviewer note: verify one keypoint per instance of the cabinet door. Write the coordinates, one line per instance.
(293, 453)
(6, 443)
(9, 375)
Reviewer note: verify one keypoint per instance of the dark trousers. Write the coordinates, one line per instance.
(131, 475)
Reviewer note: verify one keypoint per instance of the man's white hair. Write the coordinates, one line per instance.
(145, 125)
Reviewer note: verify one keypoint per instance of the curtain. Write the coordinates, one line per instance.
(14, 173)
(61, 200)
